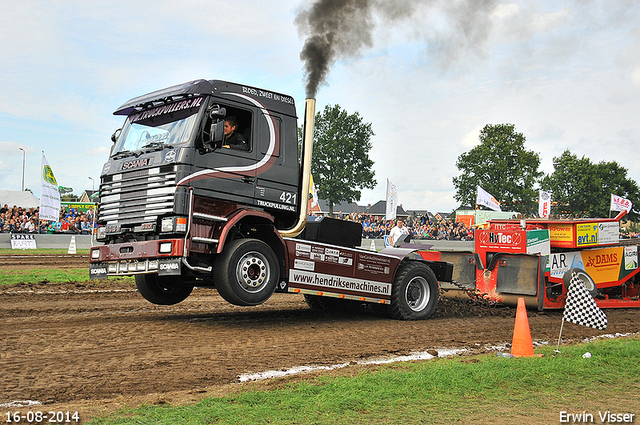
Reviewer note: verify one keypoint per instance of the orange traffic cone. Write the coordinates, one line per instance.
(522, 345)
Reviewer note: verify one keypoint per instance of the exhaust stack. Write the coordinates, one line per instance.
(307, 150)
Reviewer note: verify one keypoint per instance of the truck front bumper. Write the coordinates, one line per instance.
(131, 258)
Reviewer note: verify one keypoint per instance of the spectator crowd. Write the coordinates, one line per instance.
(25, 220)
(420, 227)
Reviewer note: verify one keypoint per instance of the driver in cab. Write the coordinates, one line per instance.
(233, 139)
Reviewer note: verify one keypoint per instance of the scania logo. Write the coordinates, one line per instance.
(135, 163)
(102, 270)
(169, 266)
(170, 156)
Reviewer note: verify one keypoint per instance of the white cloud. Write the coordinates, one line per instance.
(102, 151)
(505, 11)
(635, 78)
(471, 139)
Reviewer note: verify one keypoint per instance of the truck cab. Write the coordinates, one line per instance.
(172, 193)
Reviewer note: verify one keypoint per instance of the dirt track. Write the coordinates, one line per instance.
(99, 344)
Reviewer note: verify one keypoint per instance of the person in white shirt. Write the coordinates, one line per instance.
(398, 230)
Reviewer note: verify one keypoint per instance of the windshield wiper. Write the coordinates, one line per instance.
(154, 145)
(122, 154)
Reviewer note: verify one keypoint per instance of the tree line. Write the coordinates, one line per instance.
(500, 164)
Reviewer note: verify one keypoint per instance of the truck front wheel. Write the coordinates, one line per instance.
(162, 290)
(414, 294)
(246, 272)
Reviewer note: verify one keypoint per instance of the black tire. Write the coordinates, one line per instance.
(414, 294)
(584, 277)
(246, 272)
(165, 290)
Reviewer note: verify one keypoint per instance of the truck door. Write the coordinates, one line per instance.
(228, 173)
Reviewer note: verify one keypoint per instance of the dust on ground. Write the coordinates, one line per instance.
(98, 345)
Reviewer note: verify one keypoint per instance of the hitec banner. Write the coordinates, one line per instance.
(49, 194)
(544, 205)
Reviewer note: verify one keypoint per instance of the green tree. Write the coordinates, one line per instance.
(502, 166)
(341, 166)
(69, 197)
(583, 189)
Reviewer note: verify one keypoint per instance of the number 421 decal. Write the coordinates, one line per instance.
(288, 197)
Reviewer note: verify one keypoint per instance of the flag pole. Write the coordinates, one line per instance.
(559, 337)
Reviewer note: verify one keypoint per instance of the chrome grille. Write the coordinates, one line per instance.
(137, 196)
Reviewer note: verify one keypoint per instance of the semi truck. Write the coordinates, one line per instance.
(180, 207)
(536, 258)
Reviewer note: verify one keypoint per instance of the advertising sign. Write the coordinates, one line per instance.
(23, 241)
(602, 264)
(561, 235)
(538, 242)
(508, 241)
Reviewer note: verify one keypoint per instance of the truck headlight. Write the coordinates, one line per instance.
(167, 225)
(165, 248)
(101, 233)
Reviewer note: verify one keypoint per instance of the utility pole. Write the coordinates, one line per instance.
(24, 157)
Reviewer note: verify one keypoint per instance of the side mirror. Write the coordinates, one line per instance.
(215, 134)
(217, 112)
(116, 134)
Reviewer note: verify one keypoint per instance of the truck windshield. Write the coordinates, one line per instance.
(165, 125)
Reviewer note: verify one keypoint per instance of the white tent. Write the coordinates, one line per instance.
(24, 199)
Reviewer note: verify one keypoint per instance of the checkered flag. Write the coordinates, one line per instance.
(580, 307)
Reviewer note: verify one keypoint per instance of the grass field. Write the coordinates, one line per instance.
(482, 389)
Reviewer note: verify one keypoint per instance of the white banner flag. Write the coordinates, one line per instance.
(619, 203)
(544, 205)
(49, 194)
(484, 198)
(392, 201)
(313, 192)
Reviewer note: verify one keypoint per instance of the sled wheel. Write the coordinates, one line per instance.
(414, 294)
(585, 279)
(246, 272)
(164, 290)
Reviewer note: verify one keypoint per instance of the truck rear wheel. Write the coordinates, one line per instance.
(414, 294)
(584, 278)
(246, 272)
(162, 290)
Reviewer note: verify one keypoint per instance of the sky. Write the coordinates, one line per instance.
(566, 74)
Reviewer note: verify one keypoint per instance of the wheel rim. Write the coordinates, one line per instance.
(417, 294)
(253, 271)
(586, 282)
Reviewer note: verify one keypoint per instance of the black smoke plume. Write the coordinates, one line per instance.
(338, 29)
(334, 28)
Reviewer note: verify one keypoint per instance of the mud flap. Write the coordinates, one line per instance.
(464, 269)
(518, 274)
(169, 267)
(97, 271)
